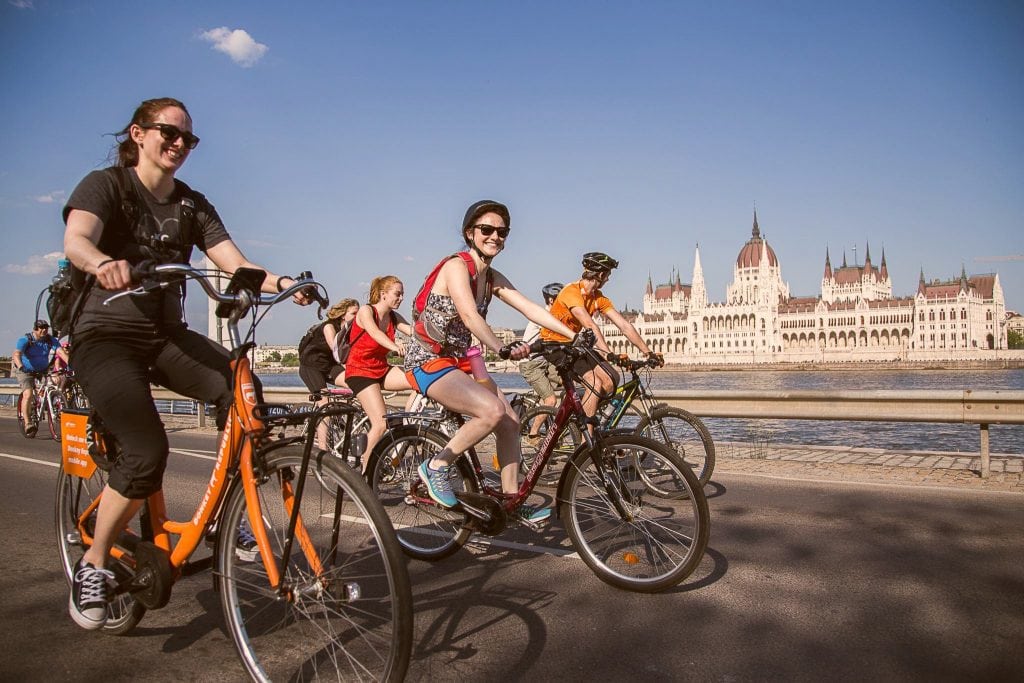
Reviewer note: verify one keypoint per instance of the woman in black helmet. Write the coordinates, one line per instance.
(457, 295)
(575, 306)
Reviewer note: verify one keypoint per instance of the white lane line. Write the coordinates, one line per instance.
(31, 460)
(191, 454)
(194, 454)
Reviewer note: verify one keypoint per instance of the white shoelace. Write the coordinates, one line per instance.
(94, 584)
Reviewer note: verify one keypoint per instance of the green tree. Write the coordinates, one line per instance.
(274, 356)
(290, 360)
(1014, 339)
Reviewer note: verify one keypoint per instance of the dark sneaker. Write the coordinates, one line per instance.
(89, 591)
(246, 548)
(31, 427)
(438, 485)
(532, 514)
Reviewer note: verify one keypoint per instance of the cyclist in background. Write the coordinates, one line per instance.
(317, 364)
(368, 373)
(30, 360)
(538, 372)
(117, 218)
(436, 364)
(575, 306)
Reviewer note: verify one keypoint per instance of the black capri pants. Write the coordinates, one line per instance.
(116, 371)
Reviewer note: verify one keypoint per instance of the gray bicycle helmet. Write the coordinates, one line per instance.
(599, 262)
(551, 291)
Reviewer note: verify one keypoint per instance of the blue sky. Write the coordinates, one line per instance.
(348, 138)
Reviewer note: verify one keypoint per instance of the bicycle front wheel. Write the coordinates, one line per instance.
(344, 611)
(54, 407)
(684, 433)
(74, 496)
(426, 531)
(654, 541)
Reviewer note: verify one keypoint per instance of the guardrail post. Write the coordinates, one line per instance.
(201, 413)
(984, 452)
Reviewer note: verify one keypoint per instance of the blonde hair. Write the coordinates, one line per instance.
(380, 284)
(338, 310)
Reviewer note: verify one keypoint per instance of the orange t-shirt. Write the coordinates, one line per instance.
(571, 296)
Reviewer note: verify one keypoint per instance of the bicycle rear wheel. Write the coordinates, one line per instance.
(351, 619)
(661, 539)
(684, 433)
(73, 497)
(566, 445)
(426, 531)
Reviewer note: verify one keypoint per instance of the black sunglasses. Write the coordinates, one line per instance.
(488, 230)
(171, 133)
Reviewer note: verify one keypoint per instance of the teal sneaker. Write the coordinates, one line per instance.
(438, 485)
(532, 514)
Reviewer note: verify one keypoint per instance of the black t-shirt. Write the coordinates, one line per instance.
(317, 354)
(155, 312)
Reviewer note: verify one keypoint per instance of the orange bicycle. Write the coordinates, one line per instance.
(326, 594)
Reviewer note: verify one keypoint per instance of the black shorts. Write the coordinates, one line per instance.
(357, 384)
(317, 379)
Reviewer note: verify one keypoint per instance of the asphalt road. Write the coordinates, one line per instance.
(802, 581)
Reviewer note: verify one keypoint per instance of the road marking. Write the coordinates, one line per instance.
(31, 460)
(194, 454)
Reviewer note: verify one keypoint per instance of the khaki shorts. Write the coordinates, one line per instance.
(26, 380)
(541, 376)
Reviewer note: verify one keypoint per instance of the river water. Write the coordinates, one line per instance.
(887, 435)
(963, 438)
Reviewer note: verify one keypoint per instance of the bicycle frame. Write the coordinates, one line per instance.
(236, 457)
(570, 408)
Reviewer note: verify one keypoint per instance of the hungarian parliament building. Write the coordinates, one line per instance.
(855, 318)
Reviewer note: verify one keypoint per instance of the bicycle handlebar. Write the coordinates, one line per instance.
(583, 342)
(152, 277)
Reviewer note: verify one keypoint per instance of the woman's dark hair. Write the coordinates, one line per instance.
(127, 150)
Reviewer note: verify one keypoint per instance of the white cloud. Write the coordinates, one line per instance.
(36, 265)
(21, 4)
(237, 44)
(50, 197)
(408, 259)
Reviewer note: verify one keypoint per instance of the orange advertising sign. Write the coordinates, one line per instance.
(75, 444)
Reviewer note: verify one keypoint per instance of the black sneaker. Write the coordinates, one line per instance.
(246, 547)
(89, 596)
(31, 427)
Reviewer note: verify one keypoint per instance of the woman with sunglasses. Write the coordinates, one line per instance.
(117, 218)
(436, 364)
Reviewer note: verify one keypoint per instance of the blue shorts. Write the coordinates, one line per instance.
(434, 369)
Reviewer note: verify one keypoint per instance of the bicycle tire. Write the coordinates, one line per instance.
(686, 434)
(567, 443)
(425, 530)
(53, 410)
(352, 621)
(664, 541)
(73, 496)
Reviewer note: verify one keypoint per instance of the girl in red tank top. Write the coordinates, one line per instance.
(367, 372)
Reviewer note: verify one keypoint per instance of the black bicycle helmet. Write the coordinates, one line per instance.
(551, 291)
(599, 262)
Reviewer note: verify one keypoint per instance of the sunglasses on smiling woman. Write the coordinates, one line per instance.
(488, 230)
(171, 133)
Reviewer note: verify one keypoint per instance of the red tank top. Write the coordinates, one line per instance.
(367, 358)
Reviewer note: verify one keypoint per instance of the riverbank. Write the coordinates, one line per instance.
(995, 364)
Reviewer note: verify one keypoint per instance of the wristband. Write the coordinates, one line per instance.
(279, 287)
(103, 263)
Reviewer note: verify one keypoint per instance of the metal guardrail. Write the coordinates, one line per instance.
(982, 408)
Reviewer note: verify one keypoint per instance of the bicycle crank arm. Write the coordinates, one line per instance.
(484, 510)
